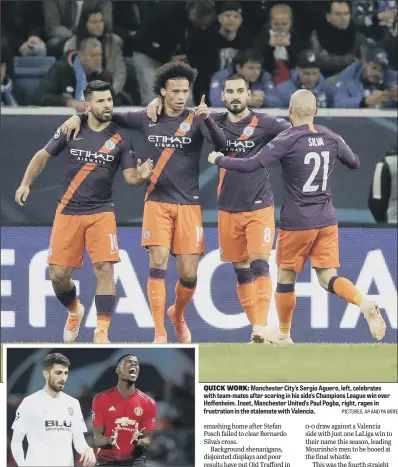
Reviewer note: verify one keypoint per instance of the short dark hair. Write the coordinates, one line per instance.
(55, 359)
(234, 77)
(122, 358)
(96, 85)
(247, 55)
(173, 70)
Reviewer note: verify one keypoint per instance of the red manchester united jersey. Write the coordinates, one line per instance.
(112, 411)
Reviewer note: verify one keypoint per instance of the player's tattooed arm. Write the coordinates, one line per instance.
(35, 167)
(101, 441)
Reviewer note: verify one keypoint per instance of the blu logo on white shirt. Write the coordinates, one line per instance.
(50, 424)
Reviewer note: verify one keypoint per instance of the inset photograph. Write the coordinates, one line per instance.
(103, 407)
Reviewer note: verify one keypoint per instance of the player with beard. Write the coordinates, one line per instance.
(85, 213)
(308, 225)
(123, 419)
(172, 220)
(51, 420)
(246, 223)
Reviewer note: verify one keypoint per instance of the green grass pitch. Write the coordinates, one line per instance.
(249, 363)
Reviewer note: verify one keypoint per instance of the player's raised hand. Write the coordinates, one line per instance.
(213, 156)
(88, 458)
(21, 194)
(113, 439)
(137, 435)
(145, 170)
(154, 109)
(202, 110)
(72, 124)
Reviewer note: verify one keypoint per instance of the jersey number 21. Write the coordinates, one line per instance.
(314, 156)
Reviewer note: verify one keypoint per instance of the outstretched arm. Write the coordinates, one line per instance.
(130, 120)
(247, 165)
(271, 152)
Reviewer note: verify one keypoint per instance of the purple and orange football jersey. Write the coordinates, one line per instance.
(307, 160)
(90, 165)
(242, 192)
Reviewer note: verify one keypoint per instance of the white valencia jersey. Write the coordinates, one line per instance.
(49, 424)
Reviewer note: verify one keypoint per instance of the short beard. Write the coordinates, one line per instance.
(102, 119)
(53, 387)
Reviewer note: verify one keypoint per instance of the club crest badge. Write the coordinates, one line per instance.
(185, 126)
(248, 131)
(109, 144)
(138, 411)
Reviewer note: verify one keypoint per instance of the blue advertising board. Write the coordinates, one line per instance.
(31, 313)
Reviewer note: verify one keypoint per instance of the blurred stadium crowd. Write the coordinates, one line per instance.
(166, 376)
(345, 52)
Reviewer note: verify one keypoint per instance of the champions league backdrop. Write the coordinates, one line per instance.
(30, 311)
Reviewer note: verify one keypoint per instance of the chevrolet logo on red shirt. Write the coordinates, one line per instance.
(125, 421)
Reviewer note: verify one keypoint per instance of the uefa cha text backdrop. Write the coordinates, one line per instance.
(31, 312)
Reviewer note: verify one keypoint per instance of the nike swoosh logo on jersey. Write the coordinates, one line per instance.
(78, 139)
(152, 124)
